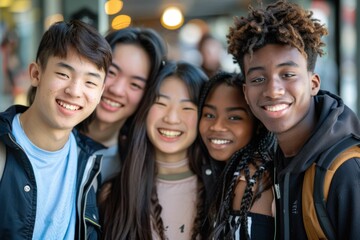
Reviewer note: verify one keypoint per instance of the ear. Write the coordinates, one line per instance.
(244, 90)
(34, 70)
(315, 84)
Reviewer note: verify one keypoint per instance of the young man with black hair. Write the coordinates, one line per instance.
(45, 188)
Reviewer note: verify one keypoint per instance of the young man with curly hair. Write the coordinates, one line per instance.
(276, 49)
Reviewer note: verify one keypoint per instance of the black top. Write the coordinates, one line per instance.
(259, 226)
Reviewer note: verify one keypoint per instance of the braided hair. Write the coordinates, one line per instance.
(257, 154)
(280, 23)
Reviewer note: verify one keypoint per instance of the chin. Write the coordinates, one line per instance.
(220, 158)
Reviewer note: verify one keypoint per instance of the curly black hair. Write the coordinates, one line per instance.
(279, 23)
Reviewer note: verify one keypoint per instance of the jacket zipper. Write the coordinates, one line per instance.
(84, 192)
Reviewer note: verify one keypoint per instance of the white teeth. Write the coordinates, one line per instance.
(168, 133)
(111, 103)
(68, 106)
(220, 141)
(276, 108)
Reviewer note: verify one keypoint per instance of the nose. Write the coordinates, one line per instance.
(218, 126)
(172, 116)
(274, 88)
(118, 86)
(75, 88)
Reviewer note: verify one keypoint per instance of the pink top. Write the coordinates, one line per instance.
(178, 200)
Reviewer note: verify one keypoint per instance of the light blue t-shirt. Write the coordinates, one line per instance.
(55, 174)
(110, 164)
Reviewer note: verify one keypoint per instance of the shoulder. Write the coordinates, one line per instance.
(85, 143)
(8, 115)
(347, 175)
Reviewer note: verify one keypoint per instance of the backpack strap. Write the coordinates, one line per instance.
(2, 158)
(316, 186)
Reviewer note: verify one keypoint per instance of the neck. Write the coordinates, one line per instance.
(104, 133)
(294, 139)
(173, 167)
(41, 135)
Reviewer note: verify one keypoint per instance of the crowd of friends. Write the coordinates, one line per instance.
(119, 142)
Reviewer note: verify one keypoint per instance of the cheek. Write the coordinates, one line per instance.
(109, 81)
(192, 123)
(202, 127)
(51, 88)
(247, 94)
(94, 96)
(244, 134)
(151, 117)
(192, 119)
(135, 98)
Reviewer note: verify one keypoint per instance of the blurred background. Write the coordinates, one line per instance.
(184, 24)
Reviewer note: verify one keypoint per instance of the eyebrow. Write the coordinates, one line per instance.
(228, 109)
(72, 69)
(135, 77)
(182, 100)
(288, 63)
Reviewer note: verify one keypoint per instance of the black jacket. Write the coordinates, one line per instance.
(18, 191)
(335, 121)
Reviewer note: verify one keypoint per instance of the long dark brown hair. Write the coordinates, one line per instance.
(154, 46)
(128, 204)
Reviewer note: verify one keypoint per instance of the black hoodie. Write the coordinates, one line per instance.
(335, 121)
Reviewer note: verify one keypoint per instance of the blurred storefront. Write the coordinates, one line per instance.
(22, 23)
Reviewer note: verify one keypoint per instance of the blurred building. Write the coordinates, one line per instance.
(22, 22)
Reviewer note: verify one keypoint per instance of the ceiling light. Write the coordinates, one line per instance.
(172, 18)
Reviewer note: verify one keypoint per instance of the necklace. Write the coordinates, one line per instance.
(173, 165)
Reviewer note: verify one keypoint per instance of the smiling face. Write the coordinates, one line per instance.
(125, 83)
(171, 121)
(226, 124)
(68, 90)
(279, 88)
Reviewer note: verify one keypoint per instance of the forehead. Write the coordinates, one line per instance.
(224, 94)
(274, 54)
(76, 63)
(174, 86)
(131, 58)
(129, 50)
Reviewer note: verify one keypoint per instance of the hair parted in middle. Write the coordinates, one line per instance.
(259, 152)
(129, 204)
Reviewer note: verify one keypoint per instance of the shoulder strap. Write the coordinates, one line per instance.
(316, 186)
(2, 158)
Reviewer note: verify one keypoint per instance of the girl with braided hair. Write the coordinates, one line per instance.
(276, 48)
(158, 193)
(241, 206)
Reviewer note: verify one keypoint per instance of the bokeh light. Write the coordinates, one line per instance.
(172, 18)
(113, 7)
(120, 22)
